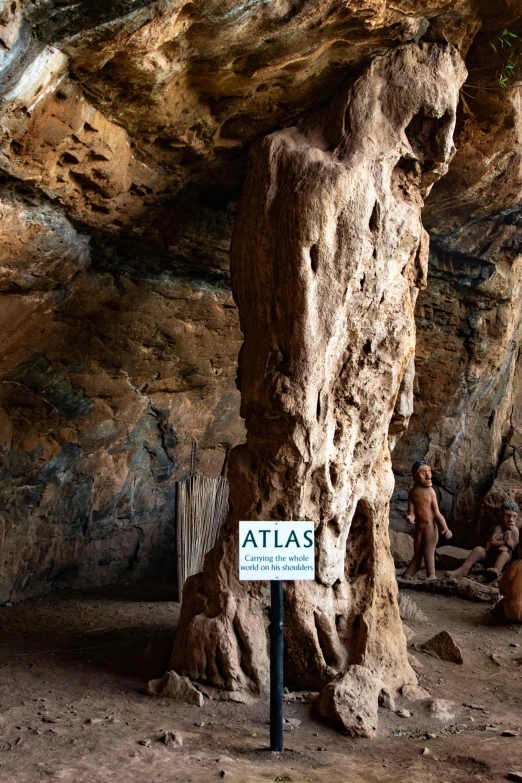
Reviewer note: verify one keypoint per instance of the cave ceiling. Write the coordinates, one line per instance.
(131, 116)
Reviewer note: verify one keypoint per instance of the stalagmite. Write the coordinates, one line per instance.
(328, 256)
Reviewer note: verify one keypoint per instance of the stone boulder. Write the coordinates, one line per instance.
(401, 547)
(451, 557)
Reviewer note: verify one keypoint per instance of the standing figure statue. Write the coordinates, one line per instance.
(498, 552)
(423, 512)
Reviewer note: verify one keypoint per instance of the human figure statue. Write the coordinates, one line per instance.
(499, 550)
(423, 512)
(510, 587)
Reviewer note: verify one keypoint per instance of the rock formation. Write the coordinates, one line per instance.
(124, 134)
(468, 318)
(327, 258)
(125, 128)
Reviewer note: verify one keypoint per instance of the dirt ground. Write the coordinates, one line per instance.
(73, 667)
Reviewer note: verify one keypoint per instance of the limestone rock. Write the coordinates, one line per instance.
(415, 693)
(386, 700)
(120, 337)
(217, 694)
(441, 709)
(468, 326)
(415, 664)
(352, 701)
(172, 739)
(409, 610)
(408, 633)
(172, 686)
(444, 647)
(401, 545)
(452, 557)
(317, 444)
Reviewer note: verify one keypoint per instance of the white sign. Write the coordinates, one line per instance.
(276, 550)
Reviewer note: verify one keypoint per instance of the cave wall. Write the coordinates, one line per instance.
(469, 317)
(105, 381)
(124, 134)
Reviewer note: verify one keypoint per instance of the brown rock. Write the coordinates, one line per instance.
(172, 686)
(401, 546)
(441, 709)
(386, 700)
(442, 646)
(352, 701)
(468, 338)
(292, 399)
(408, 633)
(172, 739)
(415, 693)
(451, 557)
(409, 610)
(415, 664)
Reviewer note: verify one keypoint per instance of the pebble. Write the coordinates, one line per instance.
(172, 739)
(145, 743)
(515, 776)
(403, 713)
(295, 722)
(510, 733)
(513, 644)
(426, 752)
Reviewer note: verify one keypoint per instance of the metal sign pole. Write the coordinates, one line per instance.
(276, 665)
(275, 551)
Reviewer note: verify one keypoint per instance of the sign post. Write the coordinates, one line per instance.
(276, 665)
(276, 551)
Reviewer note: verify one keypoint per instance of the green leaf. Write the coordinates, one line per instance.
(512, 34)
(493, 46)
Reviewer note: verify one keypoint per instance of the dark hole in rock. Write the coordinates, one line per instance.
(314, 258)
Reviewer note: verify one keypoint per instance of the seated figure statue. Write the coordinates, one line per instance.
(510, 587)
(423, 512)
(498, 552)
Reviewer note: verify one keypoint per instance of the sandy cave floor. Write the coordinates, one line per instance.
(73, 667)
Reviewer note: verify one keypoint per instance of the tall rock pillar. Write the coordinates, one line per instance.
(328, 255)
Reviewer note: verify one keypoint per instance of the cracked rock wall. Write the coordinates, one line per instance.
(124, 131)
(104, 382)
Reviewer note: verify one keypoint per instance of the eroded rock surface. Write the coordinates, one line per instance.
(468, 318)
(125, 128)
(328, 255)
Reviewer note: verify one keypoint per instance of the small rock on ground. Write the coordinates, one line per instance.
(172, 739)
(174, 686)
(443, 646)
(415, 693)
(442, 709)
